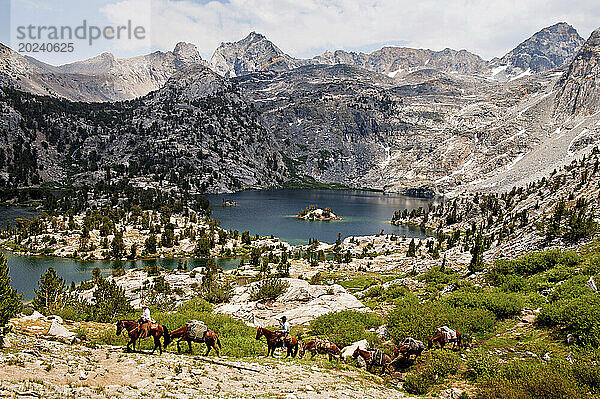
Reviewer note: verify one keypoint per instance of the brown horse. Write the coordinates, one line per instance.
(274, 341)
(321, 347)
(133, 330)
(210, 338)
(373, 357)
(442, 339)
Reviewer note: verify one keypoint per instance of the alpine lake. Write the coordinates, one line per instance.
(263, 212)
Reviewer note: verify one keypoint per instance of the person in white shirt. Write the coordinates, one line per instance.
(284, 331)
(144, 321)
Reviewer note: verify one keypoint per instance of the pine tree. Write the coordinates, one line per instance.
(10, 300)
(412, 250)
(476, 264)
(49, 296)
(150, 244)
(117, 246)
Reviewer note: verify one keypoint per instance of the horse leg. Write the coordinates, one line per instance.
(179, 346)
(189, 341)
(207, 349)
(157, 344)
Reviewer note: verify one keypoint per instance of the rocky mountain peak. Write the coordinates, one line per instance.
(549, 48)
(254, 37)
(186, 54)
(253, 53)
(579, 87)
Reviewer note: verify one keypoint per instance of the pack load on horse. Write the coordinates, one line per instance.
(197, 331)
(445, 335)
(403, 352)
(373, 358)
(276, 340)
(409, 347)
(134, 331)
(322, 347)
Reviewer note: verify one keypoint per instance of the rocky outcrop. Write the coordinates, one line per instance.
(59, 332)
(300, 303)
(254, 53)
(579, 87)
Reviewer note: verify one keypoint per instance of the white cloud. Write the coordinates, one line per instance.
(304, 28)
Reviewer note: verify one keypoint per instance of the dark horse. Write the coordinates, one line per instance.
(409, 347)
(321, 347)
(274, 340)
(373, 358)
(442, 339)
(133, 330)
(210, 338)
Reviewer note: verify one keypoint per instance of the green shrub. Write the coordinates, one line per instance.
(570, 289)
(345, 327)
(418, 384)
(531, 263)
(420, 320)
(268, 289)
(481, 365)
(588, 375)
(502, 304)
(532, 380)
(442, 362)
(437, 365)
(579, 316)
(374, 291)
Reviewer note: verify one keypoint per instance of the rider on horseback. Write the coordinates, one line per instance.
(145, 321)
(284, 331)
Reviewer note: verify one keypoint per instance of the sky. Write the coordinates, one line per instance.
(301, 28)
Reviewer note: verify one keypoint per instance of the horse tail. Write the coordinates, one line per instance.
(166, 335)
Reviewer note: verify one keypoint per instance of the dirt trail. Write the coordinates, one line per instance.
(34, 367)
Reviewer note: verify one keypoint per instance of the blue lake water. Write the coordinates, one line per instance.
(273, 212)
(25, 271)
(263, 212)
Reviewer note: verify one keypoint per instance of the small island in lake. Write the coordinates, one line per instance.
(314, 213)
(226, 203)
